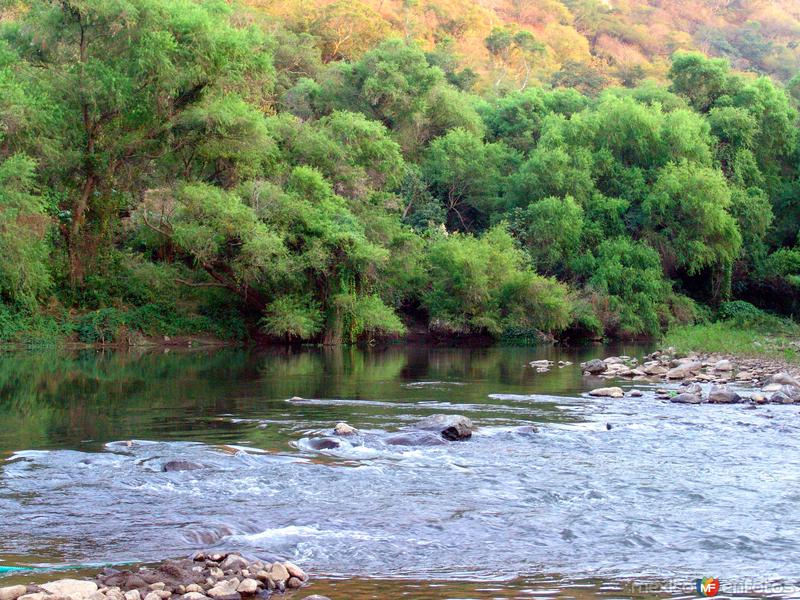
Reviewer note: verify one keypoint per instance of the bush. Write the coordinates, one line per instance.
(482, 285)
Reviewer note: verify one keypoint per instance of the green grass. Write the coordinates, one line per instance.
(768, 338)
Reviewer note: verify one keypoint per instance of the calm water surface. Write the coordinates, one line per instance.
(669, 493)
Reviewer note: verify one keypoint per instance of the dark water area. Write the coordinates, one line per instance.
(667, 494)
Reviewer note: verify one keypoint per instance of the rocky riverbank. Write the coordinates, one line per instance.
(208, 576)
(701, 377)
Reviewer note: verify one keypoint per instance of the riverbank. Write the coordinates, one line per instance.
(207, 576)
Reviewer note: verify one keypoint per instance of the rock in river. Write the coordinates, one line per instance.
(595, 367)
(721, 395)
(180, 465)
(450, 427)
(344, 429)
(414, 438)
(608, 392)
(686, 398)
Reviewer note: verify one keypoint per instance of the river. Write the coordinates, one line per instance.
(632, 497)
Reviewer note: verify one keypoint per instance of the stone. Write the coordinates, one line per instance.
(683, 370)
(223, 589)
(248, 586)
(76, 589)
(295, 571)
(133, 595)
(608, 392)
(780, 398)
(636, 393)
(784, 379)
(344, 429)
(316, 597)
(34, 596)
(193, 587)
(719, 395)
(262, 575)
(654, 369)
(216, 573)
(744, 375)
(723, 365)
(158, 585)
(759, 398)
(450, 427)
(180, 465)
(325, 443)
(98, 595)
(278, 573)
(12, 592)
(772, 387)
(540, 363)
(193, 596)
(234, 562)
(294, 583)
(594, 367)
(686, 398)
(152, 596)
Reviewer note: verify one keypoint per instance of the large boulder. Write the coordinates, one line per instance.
(13, 592)
(414, 438)
(686, 398)
(721, 395)
(595, 366)
(684, 370)
(450, 427)
(76, 589)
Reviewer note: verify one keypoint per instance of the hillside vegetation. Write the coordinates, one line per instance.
(335, 173)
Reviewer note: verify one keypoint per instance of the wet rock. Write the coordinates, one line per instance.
(541, 364)
(295, 571)
(344, 429)
(686, 398)
(720, 395)
(759, 398)
(294, 583)
(248, 586)
(278, 573)
(415, 438)
(526, 429)
(76, 589)
(636, 393)
(772, 387)
(234, 562)
(13, 592)
(450, 427)
(324, 444)
(180, 465)
(780, 398)
(608, 392)
(683, 370)
(594, 367)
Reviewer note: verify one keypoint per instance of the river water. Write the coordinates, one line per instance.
(634, 497)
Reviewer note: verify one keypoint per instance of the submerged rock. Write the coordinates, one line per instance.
(324, 443)
(180, 465)
(450, 427)
(414, 438)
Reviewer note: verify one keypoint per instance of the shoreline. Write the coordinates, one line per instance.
(206, 576)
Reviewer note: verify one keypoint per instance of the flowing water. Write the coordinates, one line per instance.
(634, 497)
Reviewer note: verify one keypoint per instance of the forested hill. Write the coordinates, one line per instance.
(588, 44)
(319, 173)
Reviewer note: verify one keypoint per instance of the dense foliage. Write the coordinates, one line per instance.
(180, 166)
